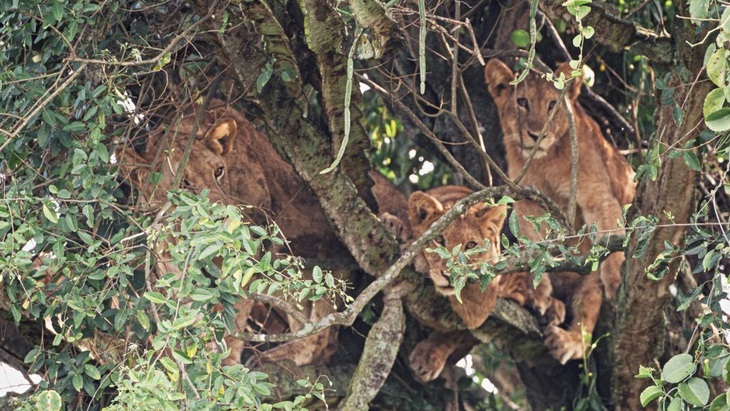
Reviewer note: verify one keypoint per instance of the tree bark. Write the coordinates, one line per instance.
(639, 327)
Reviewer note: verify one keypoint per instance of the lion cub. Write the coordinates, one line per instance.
(471, 229)
(239, 166)
(605, 183)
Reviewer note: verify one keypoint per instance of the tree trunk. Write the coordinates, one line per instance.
(639, 329)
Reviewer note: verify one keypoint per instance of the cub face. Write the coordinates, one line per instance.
(471, 229)
(524, 109)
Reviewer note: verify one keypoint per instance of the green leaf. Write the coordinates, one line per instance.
(155, 297)
(698, 9)
(183, 322)
(675, 405)
(521, 38)
(690, 158)
(719, 404)
(650, 394)
(50, 215)
(725, 20)
(181, 357)
(48, 401)
(264, 77)
(719, 120)
(143, 319)
(711, 49)
(717, 68)
(587, 32)
(169, 364)
(678, 115)
(644, 372)
(505, 200)
(514, 224)
(577, 40)
(209, 250)
(78, 382)
(201, 294)
(581, 12)
(317, 274)
(57, 10)
(92, 371)
(713, 102)
(678, 368)
(695, 391)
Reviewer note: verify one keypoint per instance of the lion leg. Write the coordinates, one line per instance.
(431, 355)
(315, 348)
(565, 345)
(243, 310)
(610, 271)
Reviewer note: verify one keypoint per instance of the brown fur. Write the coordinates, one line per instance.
(470, 229)
(239, 165)
(605, 183)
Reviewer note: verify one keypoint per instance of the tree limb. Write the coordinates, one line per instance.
(617, 34)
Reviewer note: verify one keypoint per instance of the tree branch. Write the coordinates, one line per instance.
(617, 34)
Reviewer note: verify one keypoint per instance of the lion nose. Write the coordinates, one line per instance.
(532, 135)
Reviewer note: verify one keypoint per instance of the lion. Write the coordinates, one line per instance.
(605, 184)
(239, 166)
(479, 226)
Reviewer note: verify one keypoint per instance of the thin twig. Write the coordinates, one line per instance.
(348, 316)
(536, 147)
(285, 306)
(574, 160)
(161, 54)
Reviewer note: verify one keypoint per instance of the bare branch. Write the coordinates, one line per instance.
(572, 197)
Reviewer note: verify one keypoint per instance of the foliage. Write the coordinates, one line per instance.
(404, 162)
(76, 253)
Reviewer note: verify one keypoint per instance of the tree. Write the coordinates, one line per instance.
(75, 247)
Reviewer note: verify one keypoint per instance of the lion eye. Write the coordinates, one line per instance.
(186, 184)
(551, 105)
(218, 172)
(440, 240)
(470, 245)
(522, 102)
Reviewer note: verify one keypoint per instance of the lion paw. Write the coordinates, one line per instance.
(426, 362)
(564, 345)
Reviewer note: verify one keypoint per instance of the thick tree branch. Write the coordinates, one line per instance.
(616, 34)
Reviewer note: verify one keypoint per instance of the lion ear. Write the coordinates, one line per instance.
(221, 136)
(498, 77)
(492, 216)
(422, 207)
(575, 84)
(133, 167)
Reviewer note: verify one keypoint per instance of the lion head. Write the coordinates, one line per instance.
(481, 222)
(218, 151)
(524, 109)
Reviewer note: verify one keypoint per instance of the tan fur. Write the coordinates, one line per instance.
(239, 165)
(392, 207)
(605, 183)
(480, 222)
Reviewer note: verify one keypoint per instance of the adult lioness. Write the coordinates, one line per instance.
(239, 165)
(605, 183)
(471, 229)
